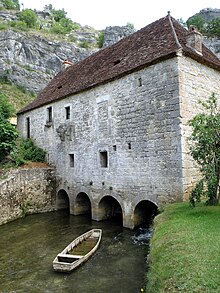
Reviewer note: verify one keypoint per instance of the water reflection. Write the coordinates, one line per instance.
(28, 247)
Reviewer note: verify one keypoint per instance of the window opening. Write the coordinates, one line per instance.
(104, 159)
(49, 114)
(129, 146)
(28, 127)
(67, 112)
(117, 62)
(139, 81)
(71, 156)
(114, 147)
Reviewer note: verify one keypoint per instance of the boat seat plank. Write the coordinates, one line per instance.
(70, 255)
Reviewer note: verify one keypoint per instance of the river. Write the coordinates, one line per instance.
(29, 245)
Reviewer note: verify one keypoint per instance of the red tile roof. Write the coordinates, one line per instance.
(158, 41)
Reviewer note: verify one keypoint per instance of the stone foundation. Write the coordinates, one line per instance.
(27, 191)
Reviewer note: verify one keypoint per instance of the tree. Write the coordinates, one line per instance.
(11, 4)
(205, 150)
(197, 21)
(29, 17)
(213, 28)
(8, 132)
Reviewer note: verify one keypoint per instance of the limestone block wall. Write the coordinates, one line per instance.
(122, 138)
(197, 82)
(27, 191)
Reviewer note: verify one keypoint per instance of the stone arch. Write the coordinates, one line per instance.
(144, 212)
(62, 201)
(110, 208)
(82, 204)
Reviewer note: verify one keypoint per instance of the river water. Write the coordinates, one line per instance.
(29, 245)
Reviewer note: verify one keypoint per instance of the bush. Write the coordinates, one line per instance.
(27, 151)
(11, 4)
(8, 132)
(29, 17)
(100, 40)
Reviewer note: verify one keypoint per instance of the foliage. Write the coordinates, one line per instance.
(84, 44)
(100, 39)
(197, 21)
(11, 4)
(58, 14)
(29, 17)
(182, 22)
(205, 150)
(26, 150)
(8, 132)
(130, 25)
(184, 254)
(210, 28)
(213, 28)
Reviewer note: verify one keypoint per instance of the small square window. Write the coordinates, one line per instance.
(67, 112)
(71, 156)
(103, 159)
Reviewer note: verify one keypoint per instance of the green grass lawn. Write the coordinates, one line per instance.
(185, 250)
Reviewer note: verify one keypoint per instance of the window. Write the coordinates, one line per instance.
(49, 114)
(71, 156)
(114, 147)
(67, 112)
(103, 159)
(129, 146)
(139, 81)
(28, 127)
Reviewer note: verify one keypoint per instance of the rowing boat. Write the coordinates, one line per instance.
(78, 251)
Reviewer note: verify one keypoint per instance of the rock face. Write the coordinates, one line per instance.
(31, 61)
(208, 14)
(113, 34)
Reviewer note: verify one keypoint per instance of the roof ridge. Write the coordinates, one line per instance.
(173, 30)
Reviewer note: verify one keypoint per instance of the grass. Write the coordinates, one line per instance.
(17, 96)
(185, 250)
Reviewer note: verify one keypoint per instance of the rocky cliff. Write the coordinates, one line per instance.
(31, 59)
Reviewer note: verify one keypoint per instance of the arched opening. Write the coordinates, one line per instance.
(110, 209)
(82, 204)
(62, 202)
(144, 213)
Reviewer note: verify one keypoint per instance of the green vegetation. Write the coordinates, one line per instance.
(100, 39)
(11, 4)
(205, 150)
(211, 28)
(184, 253)
(25, 151)
(17, 96)
(8, 132)
(29, 17)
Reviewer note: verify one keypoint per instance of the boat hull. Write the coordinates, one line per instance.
(78, 251)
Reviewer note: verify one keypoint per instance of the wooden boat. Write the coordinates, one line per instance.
(78, 251)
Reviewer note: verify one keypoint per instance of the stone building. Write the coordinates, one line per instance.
(115, 124)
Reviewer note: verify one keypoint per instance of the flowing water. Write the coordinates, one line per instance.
(29, 245)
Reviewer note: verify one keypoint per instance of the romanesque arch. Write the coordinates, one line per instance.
(110, 208)
(82, 204)
(144, 212)
(62, 201)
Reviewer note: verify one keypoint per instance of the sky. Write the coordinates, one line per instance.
(100, 13)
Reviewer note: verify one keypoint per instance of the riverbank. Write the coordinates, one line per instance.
(184, 254)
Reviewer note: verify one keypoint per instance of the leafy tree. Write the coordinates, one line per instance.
(197, 21)
(8, 132)
(100, 39)
(11, 4)
(29, 17)
(205, 150)
(58, 14)
(213, 28)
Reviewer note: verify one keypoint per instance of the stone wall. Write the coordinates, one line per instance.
(197, 83)
(134, 121)
(27, 191)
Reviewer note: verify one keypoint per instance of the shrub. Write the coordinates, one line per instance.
(29, 17)
(100, 39)
(27, 151)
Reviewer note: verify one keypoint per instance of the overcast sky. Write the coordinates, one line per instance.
(100, 13)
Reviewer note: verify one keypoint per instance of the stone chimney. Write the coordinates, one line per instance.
(67, 63)
(194, 39)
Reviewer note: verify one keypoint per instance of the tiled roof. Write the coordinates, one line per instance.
(158, 41)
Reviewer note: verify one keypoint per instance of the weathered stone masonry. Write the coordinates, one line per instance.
(27, 191)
